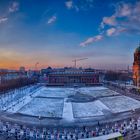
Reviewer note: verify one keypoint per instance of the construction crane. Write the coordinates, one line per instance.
(75, 61)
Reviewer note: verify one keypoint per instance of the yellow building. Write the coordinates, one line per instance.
(136, 67)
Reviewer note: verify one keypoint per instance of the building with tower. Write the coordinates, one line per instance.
(136, 67)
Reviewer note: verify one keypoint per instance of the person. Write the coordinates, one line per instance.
(98, 123)
(138, 124)
(84, 128)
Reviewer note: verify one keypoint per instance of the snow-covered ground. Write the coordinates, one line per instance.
(89, 109)
(120, 103)
(99, 93)
(67, 111)
(44, 107)
(56, 92)
(94, 88)
(54, 102)
(13, 98)
(17, 104)
(65, 92)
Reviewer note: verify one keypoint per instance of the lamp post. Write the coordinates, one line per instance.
(39, 117)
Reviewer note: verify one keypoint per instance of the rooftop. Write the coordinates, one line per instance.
(138, 49)
(73, 72)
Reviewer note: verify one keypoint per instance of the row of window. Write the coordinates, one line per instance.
(74, 80)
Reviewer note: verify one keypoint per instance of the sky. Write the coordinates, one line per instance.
(54, 32)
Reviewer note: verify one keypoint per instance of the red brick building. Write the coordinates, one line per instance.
(73, 78)
(136, 67)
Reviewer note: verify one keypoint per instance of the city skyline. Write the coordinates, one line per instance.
(54, 33)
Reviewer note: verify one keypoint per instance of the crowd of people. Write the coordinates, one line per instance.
(20, 132)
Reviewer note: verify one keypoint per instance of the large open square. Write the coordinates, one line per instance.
(69, 69)
(68, 104)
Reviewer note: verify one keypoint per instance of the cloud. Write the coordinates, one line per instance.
(3, 19)
(14, 7)
(115, 31)
(125, 19)
(79, 4)
(109, 21)
(52, 19)
(111, 31)
(126, 16)
(69, 4)
(124, 10)
(91, 40)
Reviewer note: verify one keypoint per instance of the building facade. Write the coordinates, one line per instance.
(73, 77)
(9, 75)
(136, 67)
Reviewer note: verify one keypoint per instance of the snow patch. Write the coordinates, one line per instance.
(44, 107)
(67, 111)
(89, 109)
(120, 103)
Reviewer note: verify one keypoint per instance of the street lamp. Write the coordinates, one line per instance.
(39, 117)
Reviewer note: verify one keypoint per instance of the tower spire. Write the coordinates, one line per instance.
(136, 67)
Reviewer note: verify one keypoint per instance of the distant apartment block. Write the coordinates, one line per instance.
(6, 75)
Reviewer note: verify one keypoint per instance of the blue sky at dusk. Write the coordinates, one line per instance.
(54, 32)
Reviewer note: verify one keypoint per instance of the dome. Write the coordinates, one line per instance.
(137, 49)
